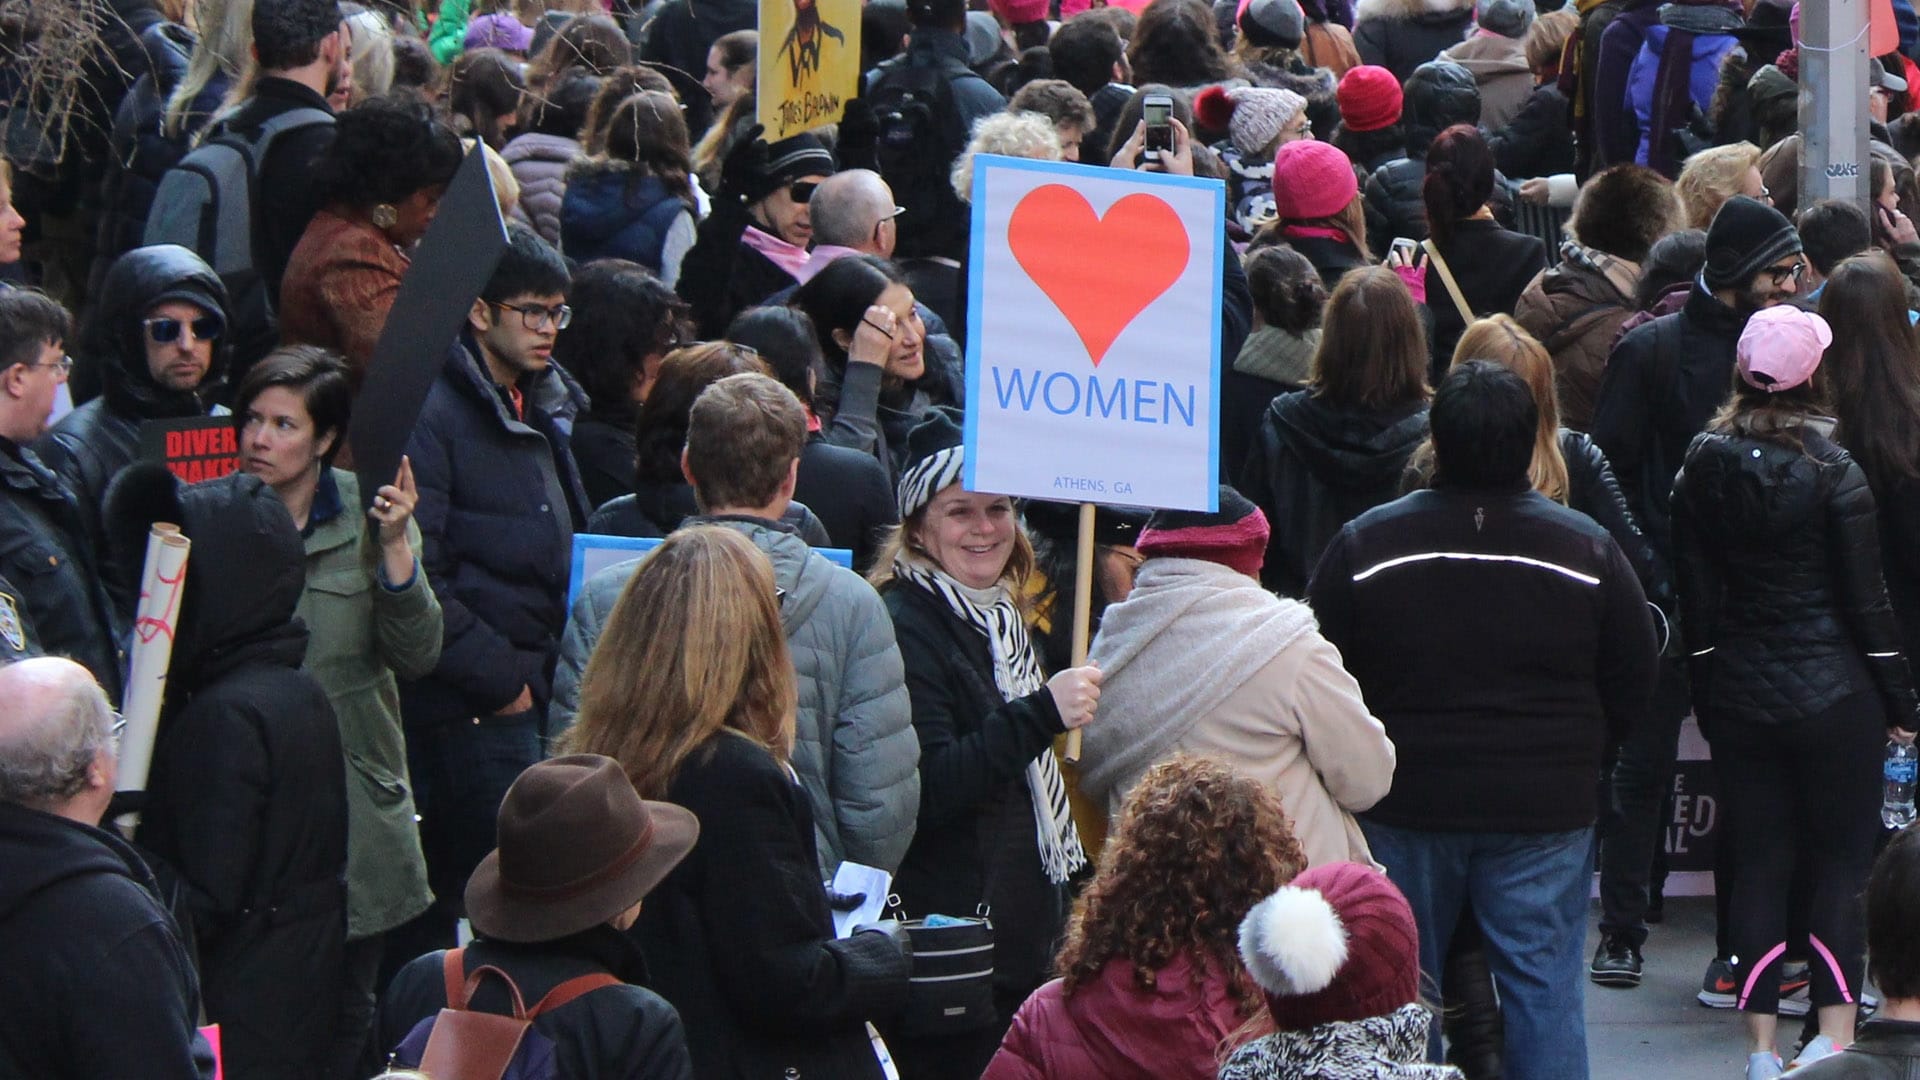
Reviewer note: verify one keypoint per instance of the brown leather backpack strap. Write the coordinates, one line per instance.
(571, 990)
(453, 969)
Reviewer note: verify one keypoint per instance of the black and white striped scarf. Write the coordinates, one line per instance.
(1016, 673)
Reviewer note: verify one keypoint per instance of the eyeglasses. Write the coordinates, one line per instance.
(118, 727)
(166, 331)
(61, 367)
(801, 191)
(535, 317)
(1783, 274)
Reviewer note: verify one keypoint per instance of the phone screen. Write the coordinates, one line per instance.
(1157, 111)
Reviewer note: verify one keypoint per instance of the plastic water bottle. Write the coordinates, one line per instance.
(1901, 769)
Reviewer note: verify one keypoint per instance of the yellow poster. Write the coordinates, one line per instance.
(809, 63)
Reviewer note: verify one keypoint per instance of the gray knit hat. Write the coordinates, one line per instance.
(1746, 236)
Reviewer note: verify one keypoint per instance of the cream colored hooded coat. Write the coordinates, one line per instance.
(1200, 659)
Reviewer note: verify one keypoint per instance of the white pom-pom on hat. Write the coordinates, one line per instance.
(1293, 942)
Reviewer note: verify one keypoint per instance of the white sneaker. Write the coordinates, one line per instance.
(1820, 1046)
(1764, 1065)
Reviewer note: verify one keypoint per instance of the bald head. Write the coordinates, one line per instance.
(56, 739)
(847, 209)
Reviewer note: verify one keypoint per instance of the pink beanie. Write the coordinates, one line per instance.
(1017, 12)
(1312, 179)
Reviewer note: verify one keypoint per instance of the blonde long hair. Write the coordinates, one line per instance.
(226, 44)
(692, 649)
(1505, 342)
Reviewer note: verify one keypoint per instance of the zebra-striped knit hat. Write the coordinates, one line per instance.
(935, 455)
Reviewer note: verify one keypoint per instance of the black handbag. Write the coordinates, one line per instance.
(950, 982)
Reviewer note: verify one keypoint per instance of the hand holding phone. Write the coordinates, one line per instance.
(1156, 111)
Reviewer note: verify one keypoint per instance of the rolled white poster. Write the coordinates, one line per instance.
(162, 585)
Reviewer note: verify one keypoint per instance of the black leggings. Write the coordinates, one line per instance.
(1808, 790)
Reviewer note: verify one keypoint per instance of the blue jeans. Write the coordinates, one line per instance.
(1529, 894)
(461, 772)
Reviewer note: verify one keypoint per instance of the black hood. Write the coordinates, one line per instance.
(244, 574)
(1347, 449)
(40, 850)
(1438, 95)
(115, 340)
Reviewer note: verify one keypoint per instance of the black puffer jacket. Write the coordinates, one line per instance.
(1314, 467)
(141, 152)
(1778, 559)
(94, 442)
(1538, 141)
(248, 790)
(1437, 95)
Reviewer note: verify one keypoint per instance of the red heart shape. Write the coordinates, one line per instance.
(1101, 272)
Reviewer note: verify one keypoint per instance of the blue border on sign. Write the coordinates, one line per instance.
(976, 270)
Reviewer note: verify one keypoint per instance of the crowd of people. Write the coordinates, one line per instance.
(1500, 505)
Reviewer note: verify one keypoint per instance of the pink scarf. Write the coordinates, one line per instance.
(786, 256)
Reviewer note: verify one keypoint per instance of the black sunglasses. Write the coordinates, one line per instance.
(166, 331)
(802, 190)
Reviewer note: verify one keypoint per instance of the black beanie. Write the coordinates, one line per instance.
(1746, 237)
(935, 457)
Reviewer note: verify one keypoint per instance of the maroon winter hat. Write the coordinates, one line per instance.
(1369, 97)
(1234, 536)
(1338, 943)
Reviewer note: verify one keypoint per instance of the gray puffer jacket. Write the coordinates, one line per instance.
(539, 163)
(856, 752)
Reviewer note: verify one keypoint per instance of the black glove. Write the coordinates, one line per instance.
(894, 931)
(840, 901)
(743, 170)
(859, 136)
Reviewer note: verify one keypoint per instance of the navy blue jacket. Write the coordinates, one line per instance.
(500, 499)
(612, 214)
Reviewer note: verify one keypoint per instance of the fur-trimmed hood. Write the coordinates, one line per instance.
(1407, 9)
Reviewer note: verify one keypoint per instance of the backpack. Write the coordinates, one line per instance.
(920, 134)
(461, 1044)
(206, 203)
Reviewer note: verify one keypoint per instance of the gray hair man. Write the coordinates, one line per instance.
(98, 982)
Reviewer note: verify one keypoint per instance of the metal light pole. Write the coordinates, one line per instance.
(1833, 101)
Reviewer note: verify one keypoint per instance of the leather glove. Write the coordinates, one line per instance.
(840, 901)
(894, 931)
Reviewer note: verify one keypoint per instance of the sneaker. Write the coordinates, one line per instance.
(1764, 1065)
(1615, 963)
(1794, 981)
(1820, 1046)
(1718, 989)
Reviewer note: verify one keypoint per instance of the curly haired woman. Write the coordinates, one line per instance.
(1152, 986)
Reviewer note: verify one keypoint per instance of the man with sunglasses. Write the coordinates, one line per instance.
(500, 498)
(159, 352)
(44, 547)
(1663, 383)
(754, 244)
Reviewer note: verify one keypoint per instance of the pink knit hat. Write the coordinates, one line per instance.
(1234, 536)
(1312, 179)
(1338, 943)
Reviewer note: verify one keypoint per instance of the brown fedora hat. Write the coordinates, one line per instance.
(577, 846)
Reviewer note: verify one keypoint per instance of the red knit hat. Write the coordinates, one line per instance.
(1234, 536)
(1338, 943)
(1369, 98)
(1312, 179)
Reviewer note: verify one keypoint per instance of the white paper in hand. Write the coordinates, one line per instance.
(852, 877)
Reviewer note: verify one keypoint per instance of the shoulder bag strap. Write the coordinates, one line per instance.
(570, 990)
(453, 969)
(1446, 278)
